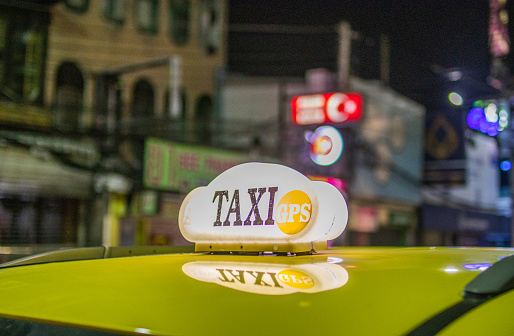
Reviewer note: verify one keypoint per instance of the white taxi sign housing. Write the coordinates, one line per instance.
(263, 207)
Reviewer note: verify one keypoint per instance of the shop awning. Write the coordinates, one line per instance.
(26, 172)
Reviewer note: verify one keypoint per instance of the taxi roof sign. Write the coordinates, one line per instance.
(262, 207)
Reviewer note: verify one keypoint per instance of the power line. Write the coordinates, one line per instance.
(282, 29)
(38, 6)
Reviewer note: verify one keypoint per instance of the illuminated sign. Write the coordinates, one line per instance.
(263, 207)
(326, 145)
(499, 41)
(269, 278)
(338, 183)
(326, 108)
(175, 167)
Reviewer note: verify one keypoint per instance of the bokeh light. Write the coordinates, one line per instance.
(456, 99)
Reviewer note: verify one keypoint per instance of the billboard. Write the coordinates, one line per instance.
(388, 146)
(176, 167)
(325, 108)
(445, 156)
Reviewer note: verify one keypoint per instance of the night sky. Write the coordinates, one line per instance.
(448, 33)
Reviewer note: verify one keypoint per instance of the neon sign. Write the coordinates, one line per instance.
(326, 108)
(326, 145)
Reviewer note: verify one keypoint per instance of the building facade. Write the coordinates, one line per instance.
(82, 85)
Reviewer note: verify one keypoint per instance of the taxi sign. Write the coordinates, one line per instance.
(263, 207)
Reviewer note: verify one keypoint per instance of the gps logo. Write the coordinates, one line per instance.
(293, 212)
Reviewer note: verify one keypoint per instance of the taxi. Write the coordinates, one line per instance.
(260, 266)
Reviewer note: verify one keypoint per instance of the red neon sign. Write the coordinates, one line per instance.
(325, 108)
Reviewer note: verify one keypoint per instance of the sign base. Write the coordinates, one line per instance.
(261, 247)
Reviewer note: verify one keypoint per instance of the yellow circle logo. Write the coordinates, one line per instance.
(293, 212)
(295, 279)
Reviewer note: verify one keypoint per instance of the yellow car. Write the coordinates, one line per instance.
(344, 291)
(256, 273)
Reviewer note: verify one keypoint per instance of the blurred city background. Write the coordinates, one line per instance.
(112, 110)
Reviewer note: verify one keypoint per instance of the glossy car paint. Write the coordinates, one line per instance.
(388, 291)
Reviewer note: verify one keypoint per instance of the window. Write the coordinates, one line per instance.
(3, 45)
(146, 15)
(78, 6)
(68, 97)
(23, 37)
(209, 26)
(143, 102)
(179, 21)
(114, 10)
(203, 118)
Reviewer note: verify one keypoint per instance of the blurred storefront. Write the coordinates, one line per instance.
(385, 192)
(447, 226)
(373, 223)
(45, 185)
(471, 212)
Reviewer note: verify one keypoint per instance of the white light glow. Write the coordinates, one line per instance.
(490, 113)
(142, 331)
(455, 75)
(455, 98)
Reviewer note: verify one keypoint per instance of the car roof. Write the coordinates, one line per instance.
(386, 291)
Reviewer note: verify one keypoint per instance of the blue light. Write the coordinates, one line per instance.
(493, 131)
(506, 165)
(477, 266)
(475, 115)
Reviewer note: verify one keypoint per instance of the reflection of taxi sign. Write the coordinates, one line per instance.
(263, 207)
(326, 108)
(269, 278)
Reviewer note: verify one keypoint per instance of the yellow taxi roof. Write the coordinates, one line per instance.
(362, 291)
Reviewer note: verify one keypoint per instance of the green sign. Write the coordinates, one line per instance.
(177, 167)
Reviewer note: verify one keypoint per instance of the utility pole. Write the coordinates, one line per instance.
(344, 30)
(175, 78)
(385, 59)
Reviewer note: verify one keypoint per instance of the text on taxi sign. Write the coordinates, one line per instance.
(293, 211)
(236, 209)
